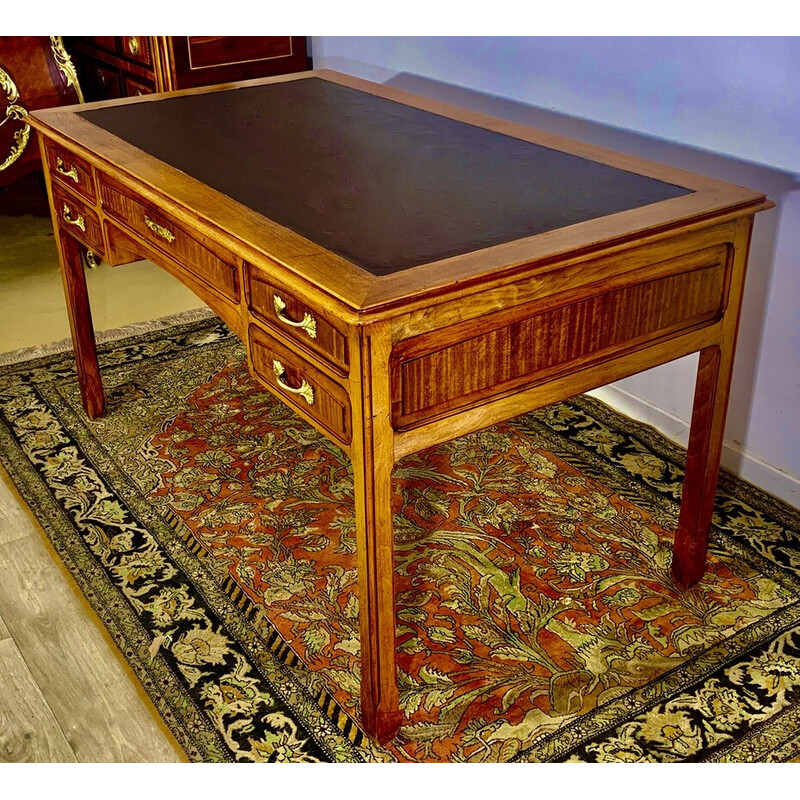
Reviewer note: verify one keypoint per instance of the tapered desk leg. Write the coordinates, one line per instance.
(80, 321)
(711, 394)
(373, 459)
(702, 464)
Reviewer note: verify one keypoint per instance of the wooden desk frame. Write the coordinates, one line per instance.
(640, 288)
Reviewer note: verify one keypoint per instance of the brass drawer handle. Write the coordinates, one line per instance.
(133, 45)
(308, 323)
(159, 230)
(61, 169)
(306, 390)
(78, 222)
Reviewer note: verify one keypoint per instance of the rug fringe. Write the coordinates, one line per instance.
(135, 328)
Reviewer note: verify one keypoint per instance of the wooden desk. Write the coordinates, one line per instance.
(403, 272)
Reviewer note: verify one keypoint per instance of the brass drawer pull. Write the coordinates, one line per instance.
(306, 391)
(308, 323)
(159, 230)
(61, 169)
(133, 45)
(78, 222)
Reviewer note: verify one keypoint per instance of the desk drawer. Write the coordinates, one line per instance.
(101, 81)
(205, 259)
(136, 87)
(78, 219)
(71, 171)
(296, 320)
(300, 385)
(136, 48)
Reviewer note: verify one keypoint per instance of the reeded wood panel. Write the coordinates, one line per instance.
(331, 404)
(298, 320)
(212, 263)
(460, 369)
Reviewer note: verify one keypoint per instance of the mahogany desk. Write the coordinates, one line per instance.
(403, 272)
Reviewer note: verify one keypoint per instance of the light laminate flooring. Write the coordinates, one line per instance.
(65, 694)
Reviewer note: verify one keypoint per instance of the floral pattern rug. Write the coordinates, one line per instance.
(212, 530)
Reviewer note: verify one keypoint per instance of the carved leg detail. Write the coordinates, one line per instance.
(702, 464)
(80, 320)
(373, 459)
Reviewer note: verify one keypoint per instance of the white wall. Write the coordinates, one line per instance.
(725, 107)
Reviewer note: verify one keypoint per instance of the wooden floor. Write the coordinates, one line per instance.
(65, 694)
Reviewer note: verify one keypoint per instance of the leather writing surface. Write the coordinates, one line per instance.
(385, 185)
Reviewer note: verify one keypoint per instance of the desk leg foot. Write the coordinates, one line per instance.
(702, 465)
(380, 725)
(80, 321)
(372, 453)
(380, 706)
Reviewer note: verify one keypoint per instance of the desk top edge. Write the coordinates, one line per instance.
(710, 198)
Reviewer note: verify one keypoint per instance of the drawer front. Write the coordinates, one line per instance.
(136, 48)
(297, 321)
(300, 385)
(206, 260)
(135, 87)
(101, 81)
(103, 42)
(459, 367)
(71, 171)
(76, 217)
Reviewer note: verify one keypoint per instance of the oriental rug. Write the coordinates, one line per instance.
(212, 531)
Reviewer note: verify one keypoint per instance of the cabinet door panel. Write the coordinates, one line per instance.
(202, 60)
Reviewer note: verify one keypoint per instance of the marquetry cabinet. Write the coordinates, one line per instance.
(35, 73)
(123, 66)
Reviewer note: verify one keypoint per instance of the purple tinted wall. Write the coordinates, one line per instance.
(725, 107)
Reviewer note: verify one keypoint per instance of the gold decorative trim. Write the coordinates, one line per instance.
(61, 169)
(307, 324)
(65, 65)
(17, 112)
(305, 390)
(93, 261)
(78, 222)
(159, 230)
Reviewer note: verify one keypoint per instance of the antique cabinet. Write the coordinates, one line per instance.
(35, 72)
(123, 66)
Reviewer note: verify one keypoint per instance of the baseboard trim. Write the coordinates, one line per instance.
(740, 462)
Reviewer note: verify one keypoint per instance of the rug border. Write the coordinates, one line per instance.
(648, 434)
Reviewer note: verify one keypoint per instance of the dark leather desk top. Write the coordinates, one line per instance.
(385, 185)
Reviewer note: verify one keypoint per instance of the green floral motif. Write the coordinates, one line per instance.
(278, 747)
(617, 751)
(775, 673)
(582, 650)
(200, 646)
(725, 708)
(287, 578)
(578, 565)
